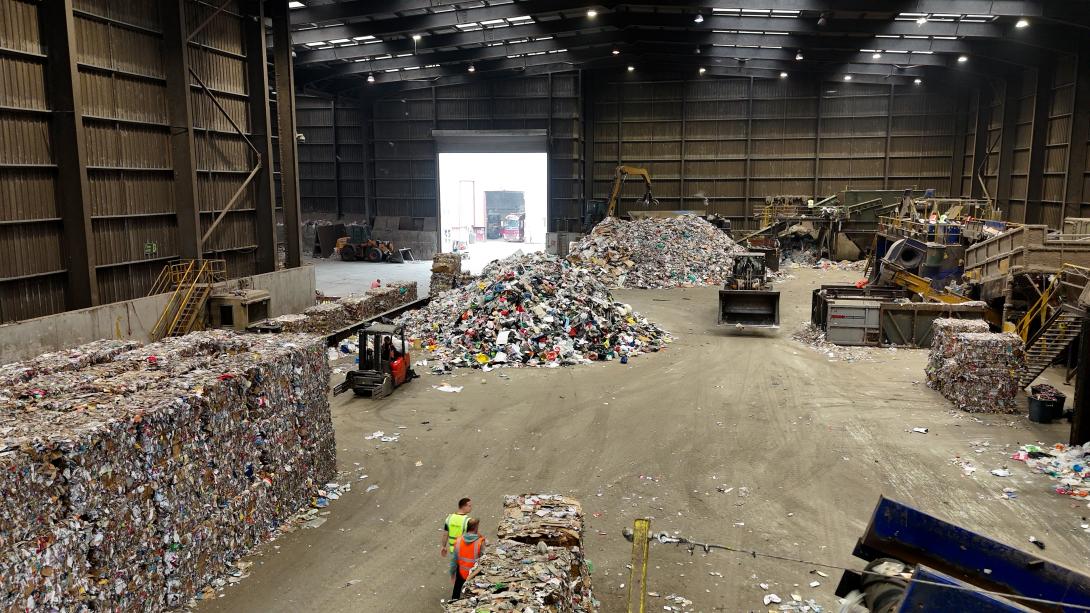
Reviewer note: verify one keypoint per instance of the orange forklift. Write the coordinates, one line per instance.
(383, 366)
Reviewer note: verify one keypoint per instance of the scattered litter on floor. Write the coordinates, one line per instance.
(1001, 472)
(446, 387)
(920, 430)
(679, 251)
(814, 338)
(1067, 465)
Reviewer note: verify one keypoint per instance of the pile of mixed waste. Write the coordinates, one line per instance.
(530, 310)
(680, 251)
(1068, 465)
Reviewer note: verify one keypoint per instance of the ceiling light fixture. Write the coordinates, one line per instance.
(921, 21)
(370, 78)
(822, 21)
(783, 75)
(703, 70)
(798, 56)
(963, 58)
(877, 55)
(1021, 23)
(847, 77)
(592, 13)
(699, 18)
(631, 68)
(918, 81)
(616, 52)
(416, 37)
(472, 68)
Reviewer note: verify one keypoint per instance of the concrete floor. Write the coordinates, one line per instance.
(813, 441)
(335, 277)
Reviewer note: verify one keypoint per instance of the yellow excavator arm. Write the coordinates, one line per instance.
(620, 175)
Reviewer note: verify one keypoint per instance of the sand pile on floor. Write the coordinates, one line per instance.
(655, 253)
(530, 310)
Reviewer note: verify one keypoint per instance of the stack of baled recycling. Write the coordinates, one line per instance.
(326, 317)
(65, 360)
(939, 360)
(378, 300)
(530, 310)
(980, 371)
(538, 563)
(446, 270)
(653, 253)
(130, 483)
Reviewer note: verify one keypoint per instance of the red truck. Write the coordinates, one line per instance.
(514, 228)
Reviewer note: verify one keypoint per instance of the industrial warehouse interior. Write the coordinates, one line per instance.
(544, 306)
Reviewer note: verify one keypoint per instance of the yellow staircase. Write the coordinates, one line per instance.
(190, 283)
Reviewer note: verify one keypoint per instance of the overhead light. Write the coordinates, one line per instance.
(877, 55)
(472, 68)
(1021, 23)
(295, 5)
(798, 56)
(703, 70)
(370, 78)
(918, 81)
(783, 75)
(592, 13)
(847, 77)
(616, 52)
(822, 21)
(699, 18)
(416, 37)
(963, 58)
(631, 68)
(921, 21)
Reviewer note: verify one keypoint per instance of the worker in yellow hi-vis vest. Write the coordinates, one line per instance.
(455, 525)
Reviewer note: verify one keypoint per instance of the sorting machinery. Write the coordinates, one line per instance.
(747, 299)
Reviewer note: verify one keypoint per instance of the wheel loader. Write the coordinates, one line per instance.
(747, 299)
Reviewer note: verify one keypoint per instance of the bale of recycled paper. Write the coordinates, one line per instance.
(326, 317)
(982, 370)
(542, 518)
(136, 480)
(515, 576)
(943, 331)
(679, 251)
(532, 310)
(292, 322)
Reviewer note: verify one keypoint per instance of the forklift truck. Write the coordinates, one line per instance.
(377, 375)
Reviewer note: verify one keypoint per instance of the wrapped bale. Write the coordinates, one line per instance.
(141, 478)
(981, 374)
(680, 251)
(943, 331)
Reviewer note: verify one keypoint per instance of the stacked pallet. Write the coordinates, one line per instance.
(538, 563)
(132, 482)
(978, 370)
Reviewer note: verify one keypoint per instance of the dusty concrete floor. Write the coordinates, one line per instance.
(814, 441)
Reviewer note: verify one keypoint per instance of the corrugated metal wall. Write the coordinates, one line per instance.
(404, 156)
(729, 143)
(122, 84)
(332, 160)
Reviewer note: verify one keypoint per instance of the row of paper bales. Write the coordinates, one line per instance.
(133, 475)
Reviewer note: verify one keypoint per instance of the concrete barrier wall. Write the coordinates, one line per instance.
(290, 290)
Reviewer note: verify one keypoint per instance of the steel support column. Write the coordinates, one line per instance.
(1080, 424)
(1080, 131)
(257, 76)
(1042, 102)
(285, 114)
(586, 92)
(1012, 92)
(73, 192)
(981, 143)
(176, 65)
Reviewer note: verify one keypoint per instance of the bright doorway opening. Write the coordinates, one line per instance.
(492, 204)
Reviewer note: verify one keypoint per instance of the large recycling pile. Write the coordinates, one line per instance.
(973, 368)
(131, 476)
(537, 565)
(680, 251)
(530, 310)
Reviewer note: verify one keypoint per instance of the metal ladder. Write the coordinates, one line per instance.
(192, 282)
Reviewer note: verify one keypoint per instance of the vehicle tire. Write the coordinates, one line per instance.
(372, 254)
(348, 253)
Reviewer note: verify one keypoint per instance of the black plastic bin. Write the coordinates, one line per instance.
(1046, 403)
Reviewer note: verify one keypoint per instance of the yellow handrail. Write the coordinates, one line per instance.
(192, 286)
(160, 328)
(1040, 309)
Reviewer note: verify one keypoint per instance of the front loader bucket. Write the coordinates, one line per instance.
(749, 308)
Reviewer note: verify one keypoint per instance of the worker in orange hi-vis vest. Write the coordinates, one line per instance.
(468, 548)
